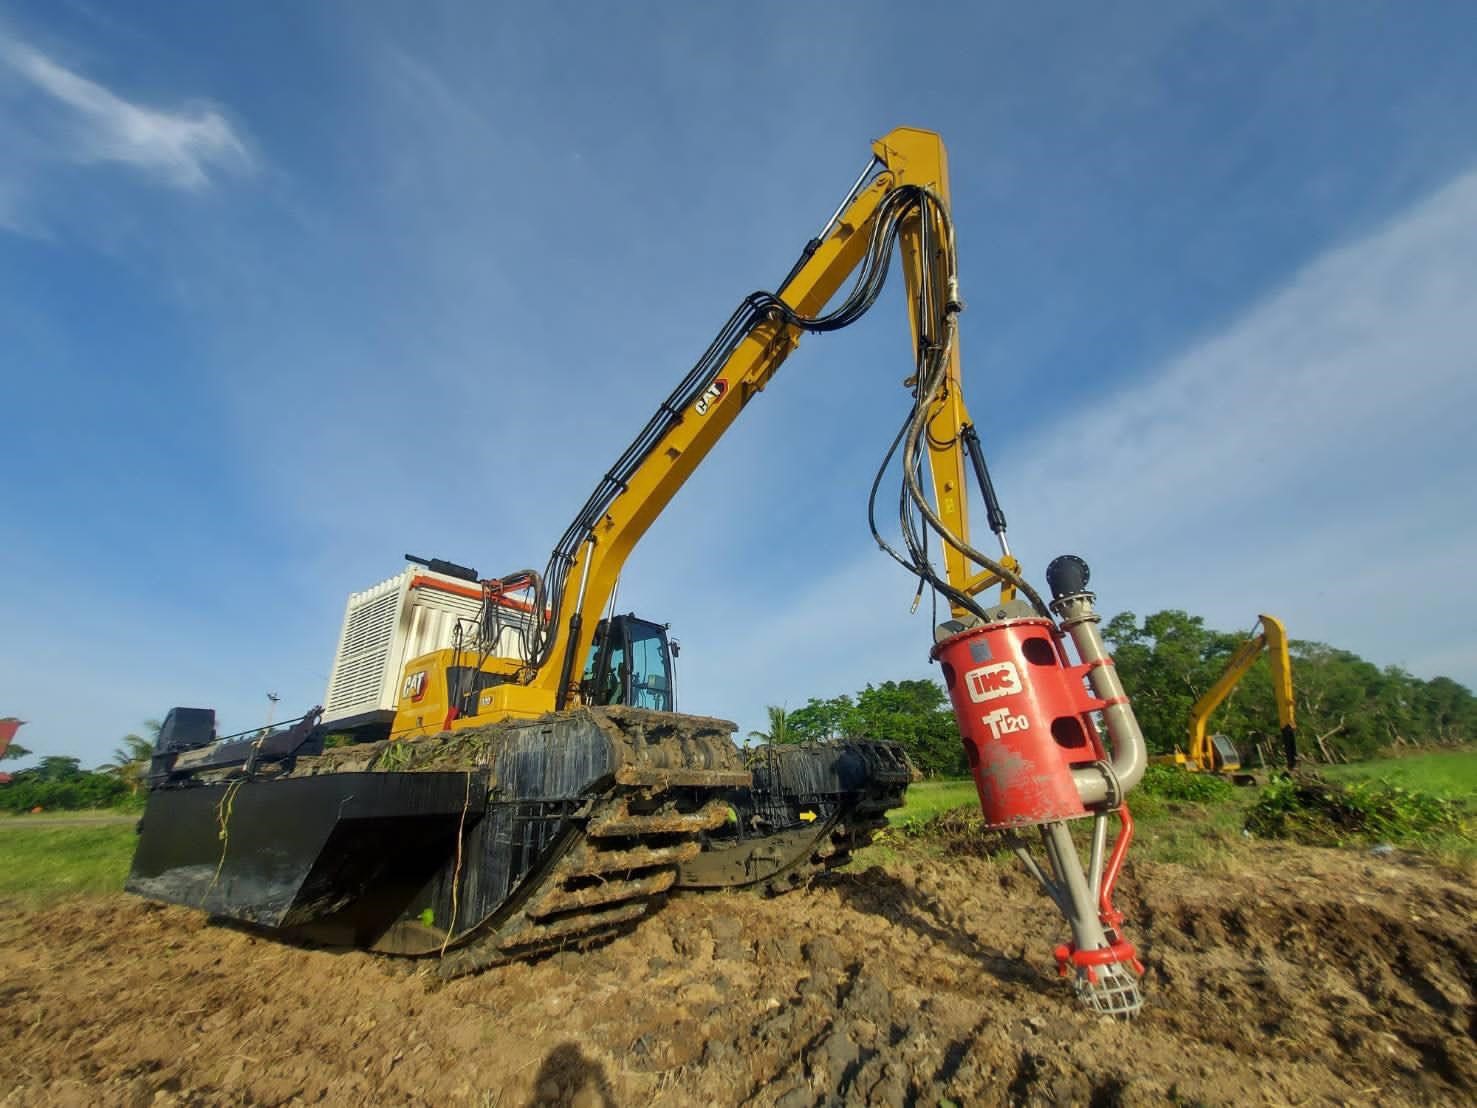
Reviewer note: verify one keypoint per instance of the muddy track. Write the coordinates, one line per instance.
(581, 823)
(611, 877)
(1302, 977)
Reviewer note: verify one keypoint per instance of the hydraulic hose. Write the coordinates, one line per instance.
(938, 307)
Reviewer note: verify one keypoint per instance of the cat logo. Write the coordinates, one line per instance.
(414, 687)
(710, 396)
(994, 680)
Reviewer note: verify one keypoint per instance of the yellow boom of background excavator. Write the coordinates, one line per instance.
(1211, 753)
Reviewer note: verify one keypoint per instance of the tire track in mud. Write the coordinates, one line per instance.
(1301, 976)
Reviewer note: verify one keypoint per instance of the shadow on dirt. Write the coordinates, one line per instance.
(565, 1075)
(877, 892)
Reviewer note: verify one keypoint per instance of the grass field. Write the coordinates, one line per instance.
(21, 820)
(928, 799)
(1447, 773)
(1166, 830)
(44, 863)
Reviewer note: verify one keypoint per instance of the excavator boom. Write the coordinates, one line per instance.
(901, 197)
(632, 495)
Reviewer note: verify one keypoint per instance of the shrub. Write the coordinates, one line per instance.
(1173, 783)
(86, 790)
(1322, 814)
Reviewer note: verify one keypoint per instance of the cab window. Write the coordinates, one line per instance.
(604, 687)
(650, 682)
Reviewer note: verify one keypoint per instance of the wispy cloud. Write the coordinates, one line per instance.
(12, 207)
(184, 147)
(1333, 388)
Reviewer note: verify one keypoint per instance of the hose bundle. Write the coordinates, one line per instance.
(936, 326)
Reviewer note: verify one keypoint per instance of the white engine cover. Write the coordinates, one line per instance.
(413, 613)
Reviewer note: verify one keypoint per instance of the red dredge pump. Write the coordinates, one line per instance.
(1039, 760)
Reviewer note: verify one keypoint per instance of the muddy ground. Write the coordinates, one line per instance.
(1304, 977)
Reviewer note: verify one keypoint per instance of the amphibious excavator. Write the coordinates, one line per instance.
(526, 784)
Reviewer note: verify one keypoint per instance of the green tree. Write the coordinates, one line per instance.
(57, 767)
(130, 762)
(1450, 709)
(60, 782)
(916, 715)
(1166, 664)
(779, 729)
(61, 785)
(15, 750)
(821, 719)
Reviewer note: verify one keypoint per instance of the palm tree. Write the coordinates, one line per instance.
(779, 729)
(131, 759)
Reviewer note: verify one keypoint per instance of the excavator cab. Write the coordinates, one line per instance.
(1227, 757)
(630, 663)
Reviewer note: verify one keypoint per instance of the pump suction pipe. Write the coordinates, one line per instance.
(1105, 783)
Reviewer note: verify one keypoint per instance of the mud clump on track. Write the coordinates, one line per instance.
(1304, 976)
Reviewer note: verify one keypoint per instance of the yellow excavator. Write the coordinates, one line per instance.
(529, 785)
(1211, 753)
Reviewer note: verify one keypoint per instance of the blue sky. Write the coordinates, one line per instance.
(291, 290)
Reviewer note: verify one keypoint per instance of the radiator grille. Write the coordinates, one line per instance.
(360, 673)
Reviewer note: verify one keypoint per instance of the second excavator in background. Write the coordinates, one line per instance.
(1207, 752)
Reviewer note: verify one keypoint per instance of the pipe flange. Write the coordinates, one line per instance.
(1116, 792)
(1060, 605)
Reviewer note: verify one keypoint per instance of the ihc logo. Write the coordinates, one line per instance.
(992, 681)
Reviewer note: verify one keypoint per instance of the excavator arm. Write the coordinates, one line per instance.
(902, 195)
(1281, 660)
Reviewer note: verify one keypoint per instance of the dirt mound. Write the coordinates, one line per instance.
(1307, 976)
